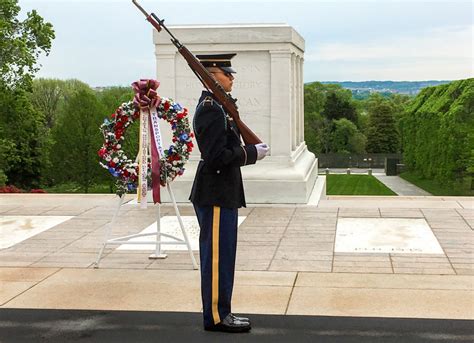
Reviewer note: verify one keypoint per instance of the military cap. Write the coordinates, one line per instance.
(221, 61)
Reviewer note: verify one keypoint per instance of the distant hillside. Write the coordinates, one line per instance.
(362, 89)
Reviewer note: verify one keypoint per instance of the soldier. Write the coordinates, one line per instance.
(217, 193)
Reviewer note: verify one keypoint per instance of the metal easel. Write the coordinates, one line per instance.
(158, 252)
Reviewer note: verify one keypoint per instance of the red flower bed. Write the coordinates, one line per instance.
(10, 189)
(38, 190)
(13, 189)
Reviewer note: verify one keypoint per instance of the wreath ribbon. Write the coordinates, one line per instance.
(147, 99)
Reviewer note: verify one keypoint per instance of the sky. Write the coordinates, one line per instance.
(109, 43)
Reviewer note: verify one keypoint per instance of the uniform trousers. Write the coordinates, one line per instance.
(217, 248)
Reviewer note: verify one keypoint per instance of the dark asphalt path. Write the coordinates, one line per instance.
(32, 325)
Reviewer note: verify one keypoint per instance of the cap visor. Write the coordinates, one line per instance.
(228, 69)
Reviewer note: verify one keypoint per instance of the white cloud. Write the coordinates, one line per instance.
(440, 43)
(444, 53)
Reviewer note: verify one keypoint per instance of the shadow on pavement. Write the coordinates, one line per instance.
(40, 325)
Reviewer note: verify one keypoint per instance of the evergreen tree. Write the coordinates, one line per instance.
(382, 134)
(339, 105)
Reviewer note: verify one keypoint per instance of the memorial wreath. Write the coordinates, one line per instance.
(170, 162)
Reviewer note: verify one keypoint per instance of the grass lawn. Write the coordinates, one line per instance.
(434, 187)
(355, 185)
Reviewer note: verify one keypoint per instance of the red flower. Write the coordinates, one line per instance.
(37, 190)
(102, 152)
(166, 106)
(112, 164)
(10, 189)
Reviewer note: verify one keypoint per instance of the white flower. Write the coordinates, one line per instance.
(118, 146)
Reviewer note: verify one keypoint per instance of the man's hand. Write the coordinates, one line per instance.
(262, 150)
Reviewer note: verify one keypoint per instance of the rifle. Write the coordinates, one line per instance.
(206, 79)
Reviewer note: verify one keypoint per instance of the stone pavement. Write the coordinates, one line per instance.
(400, 186)
(286, 261)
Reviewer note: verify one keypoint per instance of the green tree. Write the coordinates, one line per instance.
(21, 43)
(20, 129)
(382, 133)
(21, 135)
(339, 105)
(314, 99)
(50, 98)
(46, 97)
(438, 131)
(317, 132)
(346, 138)
(77, 139)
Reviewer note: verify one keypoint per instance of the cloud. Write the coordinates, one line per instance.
(452, 42)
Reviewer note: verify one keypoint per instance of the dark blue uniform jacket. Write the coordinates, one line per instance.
(218, 180)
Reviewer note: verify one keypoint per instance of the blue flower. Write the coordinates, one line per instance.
(184, 137)
(130, 186)
(177, 107)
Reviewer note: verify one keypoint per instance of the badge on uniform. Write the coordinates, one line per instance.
(208, 101)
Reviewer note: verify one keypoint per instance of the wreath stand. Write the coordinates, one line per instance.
(158, 253)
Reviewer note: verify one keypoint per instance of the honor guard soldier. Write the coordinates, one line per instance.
(217, 193)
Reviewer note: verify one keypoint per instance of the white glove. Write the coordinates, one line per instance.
(262, 150)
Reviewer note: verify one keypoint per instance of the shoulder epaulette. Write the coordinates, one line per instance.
(209, 101)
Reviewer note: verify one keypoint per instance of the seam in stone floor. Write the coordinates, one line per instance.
(32, 286)
(334, 242)
(291, 293)
(281, 238)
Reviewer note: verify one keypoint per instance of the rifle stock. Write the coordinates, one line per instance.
(206, 79)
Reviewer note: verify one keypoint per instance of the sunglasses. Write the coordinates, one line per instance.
(226, 73)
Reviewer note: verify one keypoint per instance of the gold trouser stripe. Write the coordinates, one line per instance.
(215, 263)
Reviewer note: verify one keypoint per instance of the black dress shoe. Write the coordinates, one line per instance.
(230, 324)
(242, 319)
